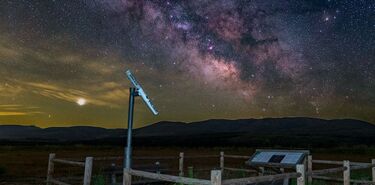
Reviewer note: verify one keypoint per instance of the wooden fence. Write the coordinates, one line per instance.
(51, 167)
(304, 172)
(347, 168)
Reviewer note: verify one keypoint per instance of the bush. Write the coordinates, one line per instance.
(98, 180)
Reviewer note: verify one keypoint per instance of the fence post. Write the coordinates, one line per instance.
(50, 167)
(346, 173)
(373, 170)
(127, 178)
(157, 165)
(113, 175)
(309, 168)
(191, 172)
(222, 162)
(261, 171)
(285, 180)
(300, 168)
(88, 171)
(215, 177)
(181, 164)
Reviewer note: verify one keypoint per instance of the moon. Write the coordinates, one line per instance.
(81, 101)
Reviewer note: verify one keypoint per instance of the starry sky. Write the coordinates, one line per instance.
(62, 62)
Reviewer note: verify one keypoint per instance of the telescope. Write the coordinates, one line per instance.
(135, 91)
(141, 92)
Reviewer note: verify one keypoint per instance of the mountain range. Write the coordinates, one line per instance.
(299, 131)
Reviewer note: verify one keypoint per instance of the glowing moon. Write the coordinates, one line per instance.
(81, 101)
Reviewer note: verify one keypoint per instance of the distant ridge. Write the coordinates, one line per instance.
(297, 125)
(248, 132)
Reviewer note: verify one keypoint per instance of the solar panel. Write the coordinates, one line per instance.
(278, 158)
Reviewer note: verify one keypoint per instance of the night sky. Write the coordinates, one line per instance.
(62, 62)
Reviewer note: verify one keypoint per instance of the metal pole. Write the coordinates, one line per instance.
(128, 149)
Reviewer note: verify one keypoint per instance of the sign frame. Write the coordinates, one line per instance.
(301, 160)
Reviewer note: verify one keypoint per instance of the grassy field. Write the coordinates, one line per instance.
(28, 164)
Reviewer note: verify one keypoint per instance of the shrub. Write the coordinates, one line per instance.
(98, 180)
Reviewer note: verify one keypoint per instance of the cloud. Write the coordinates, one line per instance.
(18, 110)
(53, 70)
(10, 90)
(105, 94)
(9, 113)
(13, 113)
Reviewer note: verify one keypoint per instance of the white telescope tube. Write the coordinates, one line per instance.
(141, 92)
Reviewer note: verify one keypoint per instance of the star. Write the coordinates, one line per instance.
(258, 58)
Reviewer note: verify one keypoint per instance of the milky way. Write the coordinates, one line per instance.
(234, 59)
(227, 44)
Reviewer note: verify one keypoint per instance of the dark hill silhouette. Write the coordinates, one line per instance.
(76, 133)
(253, 132)
(278, 126)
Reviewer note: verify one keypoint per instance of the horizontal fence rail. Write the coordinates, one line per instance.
(136, 158)
(338, 162)
(362, 167)
(237, 156)
(250, 180)
(327, 171)
(55, 181)
(169, 178)
(240, 169)
(154, 157)
(63, 161)
(200, 156)
(341, 180)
